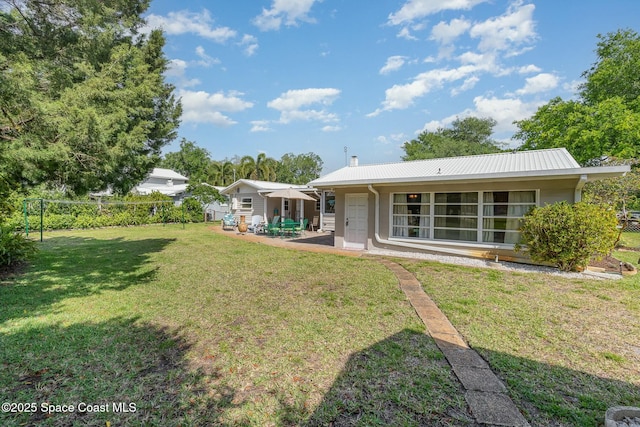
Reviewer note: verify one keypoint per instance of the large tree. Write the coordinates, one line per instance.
(299, 169)
(468, 136)
(605, 119)
(190, 160)
(83, 102)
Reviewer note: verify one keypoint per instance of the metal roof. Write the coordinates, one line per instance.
(166, 174)
(262, 185)
(550, 162)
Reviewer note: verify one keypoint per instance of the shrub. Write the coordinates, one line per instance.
(14, 246)
(568, 236)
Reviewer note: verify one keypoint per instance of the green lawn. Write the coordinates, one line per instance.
(196, 328)
(567, 349)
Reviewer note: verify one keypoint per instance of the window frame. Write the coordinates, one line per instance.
(480, 217)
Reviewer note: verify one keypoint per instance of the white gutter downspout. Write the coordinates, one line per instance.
(406, 244)
(577, 195)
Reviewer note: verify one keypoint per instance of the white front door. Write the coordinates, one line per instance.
(356, 221)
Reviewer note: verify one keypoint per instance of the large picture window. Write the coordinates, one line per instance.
(502, 214)
(456, 216)
(411, 215)
(489, 216)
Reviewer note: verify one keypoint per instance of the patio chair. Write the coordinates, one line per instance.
(273, 228)
(289, 227)
(314, 223)
(228, 222)
(256, 224)
(300, 228)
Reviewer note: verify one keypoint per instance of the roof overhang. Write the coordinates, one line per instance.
(592, 174)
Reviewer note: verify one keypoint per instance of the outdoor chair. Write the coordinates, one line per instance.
(301, 226)
(273, 228)
(314, 223)
(289, 227)
(228, 222)
(256, 225)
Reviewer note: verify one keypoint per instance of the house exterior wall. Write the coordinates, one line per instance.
(237, 208)
(547, 192)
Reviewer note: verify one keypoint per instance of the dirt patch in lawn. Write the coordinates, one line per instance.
(611, 264)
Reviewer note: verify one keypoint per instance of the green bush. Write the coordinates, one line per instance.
(14, 246)
(568, 236)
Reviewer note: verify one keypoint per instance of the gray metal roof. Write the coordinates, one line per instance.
(262, 185)
(550, 162)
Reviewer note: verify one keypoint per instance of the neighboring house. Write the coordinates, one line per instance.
(469, 205)
(165, 181)
(248, 198)
(216, 210)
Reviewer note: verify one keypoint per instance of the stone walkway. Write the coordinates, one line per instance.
(484, 392)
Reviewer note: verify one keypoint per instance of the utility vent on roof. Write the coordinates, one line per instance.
(354, 161)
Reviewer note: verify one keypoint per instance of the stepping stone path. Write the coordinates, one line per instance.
(484, 392)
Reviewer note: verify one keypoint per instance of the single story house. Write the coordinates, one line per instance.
(216, 210)
(248, 197)
(164, 181)
(469, 206)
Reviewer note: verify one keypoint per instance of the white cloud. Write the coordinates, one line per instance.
(418, 9)
(291, 105)
(504, 111)
(446, 33)
(176, 70)
(507, 32)
(400, 97)
(541, 83)
(204, 107)
(289, 12)
(528, 69)
(205, 60)
(329, 128)
(466, 85)
(393, 63)
(294, 99)
(260, 126)
(405, 34)
(185, 22)
(250, 44)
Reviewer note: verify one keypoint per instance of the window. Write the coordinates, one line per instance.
(502, 214)
(317, 205)
(456, 216)
(329, 202)
(490, 216)
(411, 216)
(286, 205)
(246, 203)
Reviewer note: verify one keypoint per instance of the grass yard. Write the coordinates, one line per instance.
(187, 327)
(164, 326)
(566, 349)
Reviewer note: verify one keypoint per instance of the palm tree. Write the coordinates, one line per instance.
(222, 173)
(261, 168)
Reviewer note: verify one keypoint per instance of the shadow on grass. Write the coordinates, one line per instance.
(402, 380)
(136, 372)
(405, 380)
(68, 267)
(550, 395)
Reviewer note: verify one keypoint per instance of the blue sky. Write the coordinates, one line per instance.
(299, 76)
